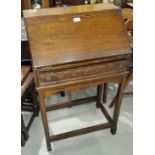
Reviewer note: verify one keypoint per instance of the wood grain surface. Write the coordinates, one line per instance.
(56, 39)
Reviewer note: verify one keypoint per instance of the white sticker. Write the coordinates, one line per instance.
(77, 19)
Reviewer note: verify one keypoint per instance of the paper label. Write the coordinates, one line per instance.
(77, 19)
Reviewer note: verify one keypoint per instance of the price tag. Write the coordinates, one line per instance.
(77, 19)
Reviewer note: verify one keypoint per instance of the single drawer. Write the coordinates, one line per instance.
(82, 72)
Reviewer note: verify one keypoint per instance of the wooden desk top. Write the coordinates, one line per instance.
(55, 38)
(67, 10)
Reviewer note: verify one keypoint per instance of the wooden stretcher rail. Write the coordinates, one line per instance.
(81, 131)
(103, 109)
(70, 104)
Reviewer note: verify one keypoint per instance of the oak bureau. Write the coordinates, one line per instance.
(76, 47)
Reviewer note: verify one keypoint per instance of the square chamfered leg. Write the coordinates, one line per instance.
(128, 79)
(44, 120)
(105, 93)
(99, 96)
(118, 106)
(24, 132)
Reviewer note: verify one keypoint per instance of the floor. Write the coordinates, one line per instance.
(96, 143)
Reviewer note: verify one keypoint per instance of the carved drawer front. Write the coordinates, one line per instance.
(82, 72)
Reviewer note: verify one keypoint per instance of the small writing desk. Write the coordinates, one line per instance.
(75, 47)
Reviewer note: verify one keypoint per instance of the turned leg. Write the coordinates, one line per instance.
(118, 106)
(105, 93)
(44, 120)
(99, 95)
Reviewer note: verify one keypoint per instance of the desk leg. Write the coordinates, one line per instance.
(44, 120)
(118, 106)
(105, 93)
(128, 79)
(99, 95)
(24, 129)
(22, 139)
